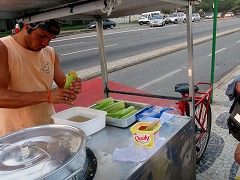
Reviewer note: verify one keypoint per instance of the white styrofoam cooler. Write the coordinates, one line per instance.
(96, 123)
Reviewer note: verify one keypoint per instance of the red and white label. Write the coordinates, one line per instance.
(143, 138)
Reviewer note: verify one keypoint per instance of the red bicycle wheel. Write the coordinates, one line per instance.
(202, 128)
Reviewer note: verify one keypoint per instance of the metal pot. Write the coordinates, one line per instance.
(43, 152)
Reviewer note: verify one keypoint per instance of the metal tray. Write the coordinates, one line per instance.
(126, 122)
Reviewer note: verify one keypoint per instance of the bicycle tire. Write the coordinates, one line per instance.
(201, 144)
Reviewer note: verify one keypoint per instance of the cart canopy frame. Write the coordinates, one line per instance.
(40, 10)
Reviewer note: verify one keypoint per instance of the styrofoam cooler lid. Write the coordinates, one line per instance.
(39, 150)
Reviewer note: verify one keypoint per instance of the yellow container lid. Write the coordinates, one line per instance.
(135, 127)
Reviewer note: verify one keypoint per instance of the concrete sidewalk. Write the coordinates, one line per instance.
(218, 162)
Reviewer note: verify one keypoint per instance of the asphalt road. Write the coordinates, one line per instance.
(160, 75)
(79, 52)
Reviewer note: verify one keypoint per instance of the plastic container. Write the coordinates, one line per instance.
(145, 138)
(93, 120)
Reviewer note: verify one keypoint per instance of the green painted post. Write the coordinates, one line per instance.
(215, 7)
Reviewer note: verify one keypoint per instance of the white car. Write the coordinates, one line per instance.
(176, 18)
(145, 17)
(229, 14)
(196, 17)
(209, 16)
(157, 21)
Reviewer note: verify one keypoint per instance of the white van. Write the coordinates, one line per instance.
(145, 17)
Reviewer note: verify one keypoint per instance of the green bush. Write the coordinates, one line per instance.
(75, 27)
(3, 34)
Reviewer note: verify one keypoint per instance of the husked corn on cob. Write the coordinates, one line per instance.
(69, 78)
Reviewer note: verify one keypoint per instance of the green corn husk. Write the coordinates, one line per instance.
(116, 107)
(102, 105)
(69, 78)
(114, 114)
(129, 114)
(122, 113)
(127, 110)
(110, 106)
(104, 100)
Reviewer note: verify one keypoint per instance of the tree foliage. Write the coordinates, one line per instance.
(223, 5)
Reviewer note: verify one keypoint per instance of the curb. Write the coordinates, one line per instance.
(227, 77)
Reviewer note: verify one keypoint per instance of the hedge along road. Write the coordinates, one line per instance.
(95, 71)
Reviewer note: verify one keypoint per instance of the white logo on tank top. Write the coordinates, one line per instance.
(46, 67)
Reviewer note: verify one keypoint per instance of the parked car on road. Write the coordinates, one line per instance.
(196, 17)
(229, 14)
(176, 18)
(219, 15)
(145, 17)
(107, 23)
(158, 20)
(209, 16)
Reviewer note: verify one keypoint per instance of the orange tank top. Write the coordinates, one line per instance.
(28, 71)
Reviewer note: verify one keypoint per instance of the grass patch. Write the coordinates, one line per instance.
(75, 27)
(3, 34)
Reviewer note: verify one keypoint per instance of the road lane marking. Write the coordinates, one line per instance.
(177, 33)
(217, 51)
(68, 44)
(86, 50)
(158, 79)
(73, 38)
(238, 41)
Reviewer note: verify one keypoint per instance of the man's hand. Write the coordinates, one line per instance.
(66, 96)
(76, 86)
(237, 154)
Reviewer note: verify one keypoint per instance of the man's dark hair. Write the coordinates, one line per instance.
(52, 26)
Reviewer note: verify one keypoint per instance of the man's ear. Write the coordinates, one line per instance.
(28, 28)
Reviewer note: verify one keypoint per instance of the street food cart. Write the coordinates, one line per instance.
(175, 159)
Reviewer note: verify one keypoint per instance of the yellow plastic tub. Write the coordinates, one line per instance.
(145, 138)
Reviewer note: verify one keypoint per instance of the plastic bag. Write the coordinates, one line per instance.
(131, 153)
(152, 113)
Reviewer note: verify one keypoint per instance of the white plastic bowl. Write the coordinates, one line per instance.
(96, 123)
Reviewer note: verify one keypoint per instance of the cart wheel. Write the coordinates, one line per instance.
(202, 135)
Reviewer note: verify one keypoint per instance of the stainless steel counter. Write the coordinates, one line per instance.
(174, 160)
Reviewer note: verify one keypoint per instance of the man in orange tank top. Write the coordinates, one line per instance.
(28, 68)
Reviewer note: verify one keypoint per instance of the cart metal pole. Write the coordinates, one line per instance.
(190, 57)
(102, 54)
(191, 72)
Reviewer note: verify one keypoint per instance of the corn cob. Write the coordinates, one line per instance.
(127, 110)
(104, 104)
(69, 78)
(104, 100)
(114, 114)
(117, 106)
(129, 114)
